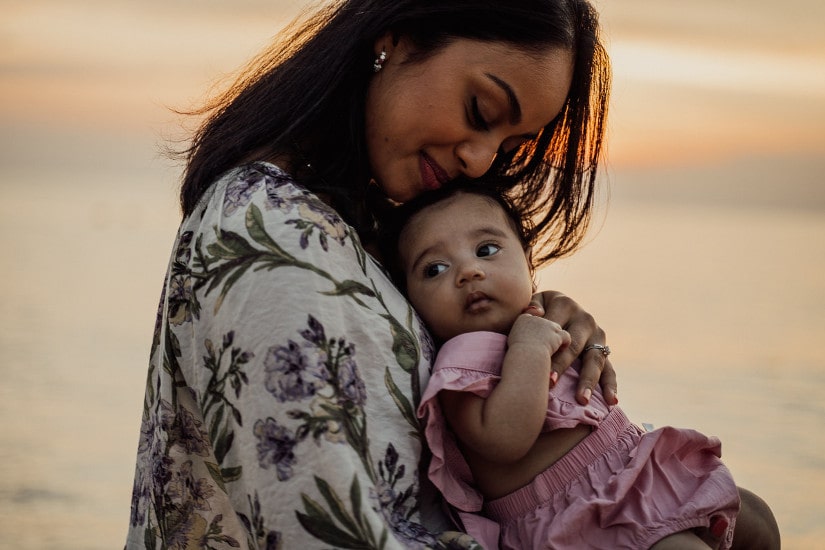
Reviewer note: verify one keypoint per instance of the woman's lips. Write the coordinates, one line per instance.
(432, 175)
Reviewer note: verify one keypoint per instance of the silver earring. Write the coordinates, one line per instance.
(378, 64)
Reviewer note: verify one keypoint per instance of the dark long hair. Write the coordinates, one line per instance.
(305, 98)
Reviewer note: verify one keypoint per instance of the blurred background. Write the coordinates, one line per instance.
(706, 264)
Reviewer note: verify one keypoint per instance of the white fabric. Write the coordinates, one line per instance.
(283, 381)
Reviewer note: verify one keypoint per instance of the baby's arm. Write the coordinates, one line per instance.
(503, 427)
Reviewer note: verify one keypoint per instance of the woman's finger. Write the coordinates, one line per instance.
(583, 330)
(597, 370)
(585, 334)
(557, 306)
(536, 306)
(594, 363)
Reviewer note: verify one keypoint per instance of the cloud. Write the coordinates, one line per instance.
(739, 71)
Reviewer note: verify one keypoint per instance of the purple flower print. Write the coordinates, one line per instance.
(315, 333)
(185, 488)
(276, 446)
(350, 385)
(239, 191)
(396, 508)
(427, 345)
(191, 435)
(183, 253)
(316, 215)
(292, 374)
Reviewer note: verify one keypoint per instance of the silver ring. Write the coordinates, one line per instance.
(604, 349)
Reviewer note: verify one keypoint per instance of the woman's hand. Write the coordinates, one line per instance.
(584, 332)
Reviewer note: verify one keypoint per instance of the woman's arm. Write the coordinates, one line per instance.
(583, 330)
(270, 413)
(503, 427)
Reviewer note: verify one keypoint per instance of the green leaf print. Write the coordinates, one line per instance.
(353, 532)
(255, 227)
(350, 288)
(320, 525)
(215, 473)
(336, 505)
(401, 401)
(225, 365)
(226, 260)
(403, 345)
(229, 246)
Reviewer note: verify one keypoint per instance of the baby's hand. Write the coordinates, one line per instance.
(531, 330)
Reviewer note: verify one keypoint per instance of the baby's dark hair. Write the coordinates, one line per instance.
(396, 219)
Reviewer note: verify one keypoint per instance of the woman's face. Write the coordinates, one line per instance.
(430, 122)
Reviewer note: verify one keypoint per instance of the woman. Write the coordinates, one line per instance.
(286, 368)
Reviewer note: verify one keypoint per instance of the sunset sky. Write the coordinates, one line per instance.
(694, 83)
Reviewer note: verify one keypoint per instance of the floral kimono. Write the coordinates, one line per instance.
(284, 375)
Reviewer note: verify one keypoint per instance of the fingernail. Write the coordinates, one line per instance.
(554, 377)
(587, 394)
(533, 310)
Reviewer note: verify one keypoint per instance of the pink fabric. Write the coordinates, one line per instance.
(471, 362)
(619, 488)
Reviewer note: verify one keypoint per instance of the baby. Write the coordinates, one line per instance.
(519, 461)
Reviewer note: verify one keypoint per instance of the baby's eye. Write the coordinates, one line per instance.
(432, 270)
(487, 250)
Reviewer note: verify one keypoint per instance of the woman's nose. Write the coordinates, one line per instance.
(476, 156)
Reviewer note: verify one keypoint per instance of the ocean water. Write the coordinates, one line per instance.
(715, 315)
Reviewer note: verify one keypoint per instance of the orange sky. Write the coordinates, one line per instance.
(693, 83)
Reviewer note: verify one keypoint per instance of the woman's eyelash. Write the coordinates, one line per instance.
(477, 118)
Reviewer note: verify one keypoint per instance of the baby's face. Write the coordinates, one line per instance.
(465, 267)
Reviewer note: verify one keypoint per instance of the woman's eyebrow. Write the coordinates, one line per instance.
(512, 99)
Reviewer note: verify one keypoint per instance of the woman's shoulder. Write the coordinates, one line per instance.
(260, 199)
(267, 184)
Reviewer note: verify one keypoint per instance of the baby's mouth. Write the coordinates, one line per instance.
(476, 302)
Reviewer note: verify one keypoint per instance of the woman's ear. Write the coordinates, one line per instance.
(386, 44)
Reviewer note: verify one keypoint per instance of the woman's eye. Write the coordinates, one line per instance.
(432, 270)
(487, 250)
(478, 119)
